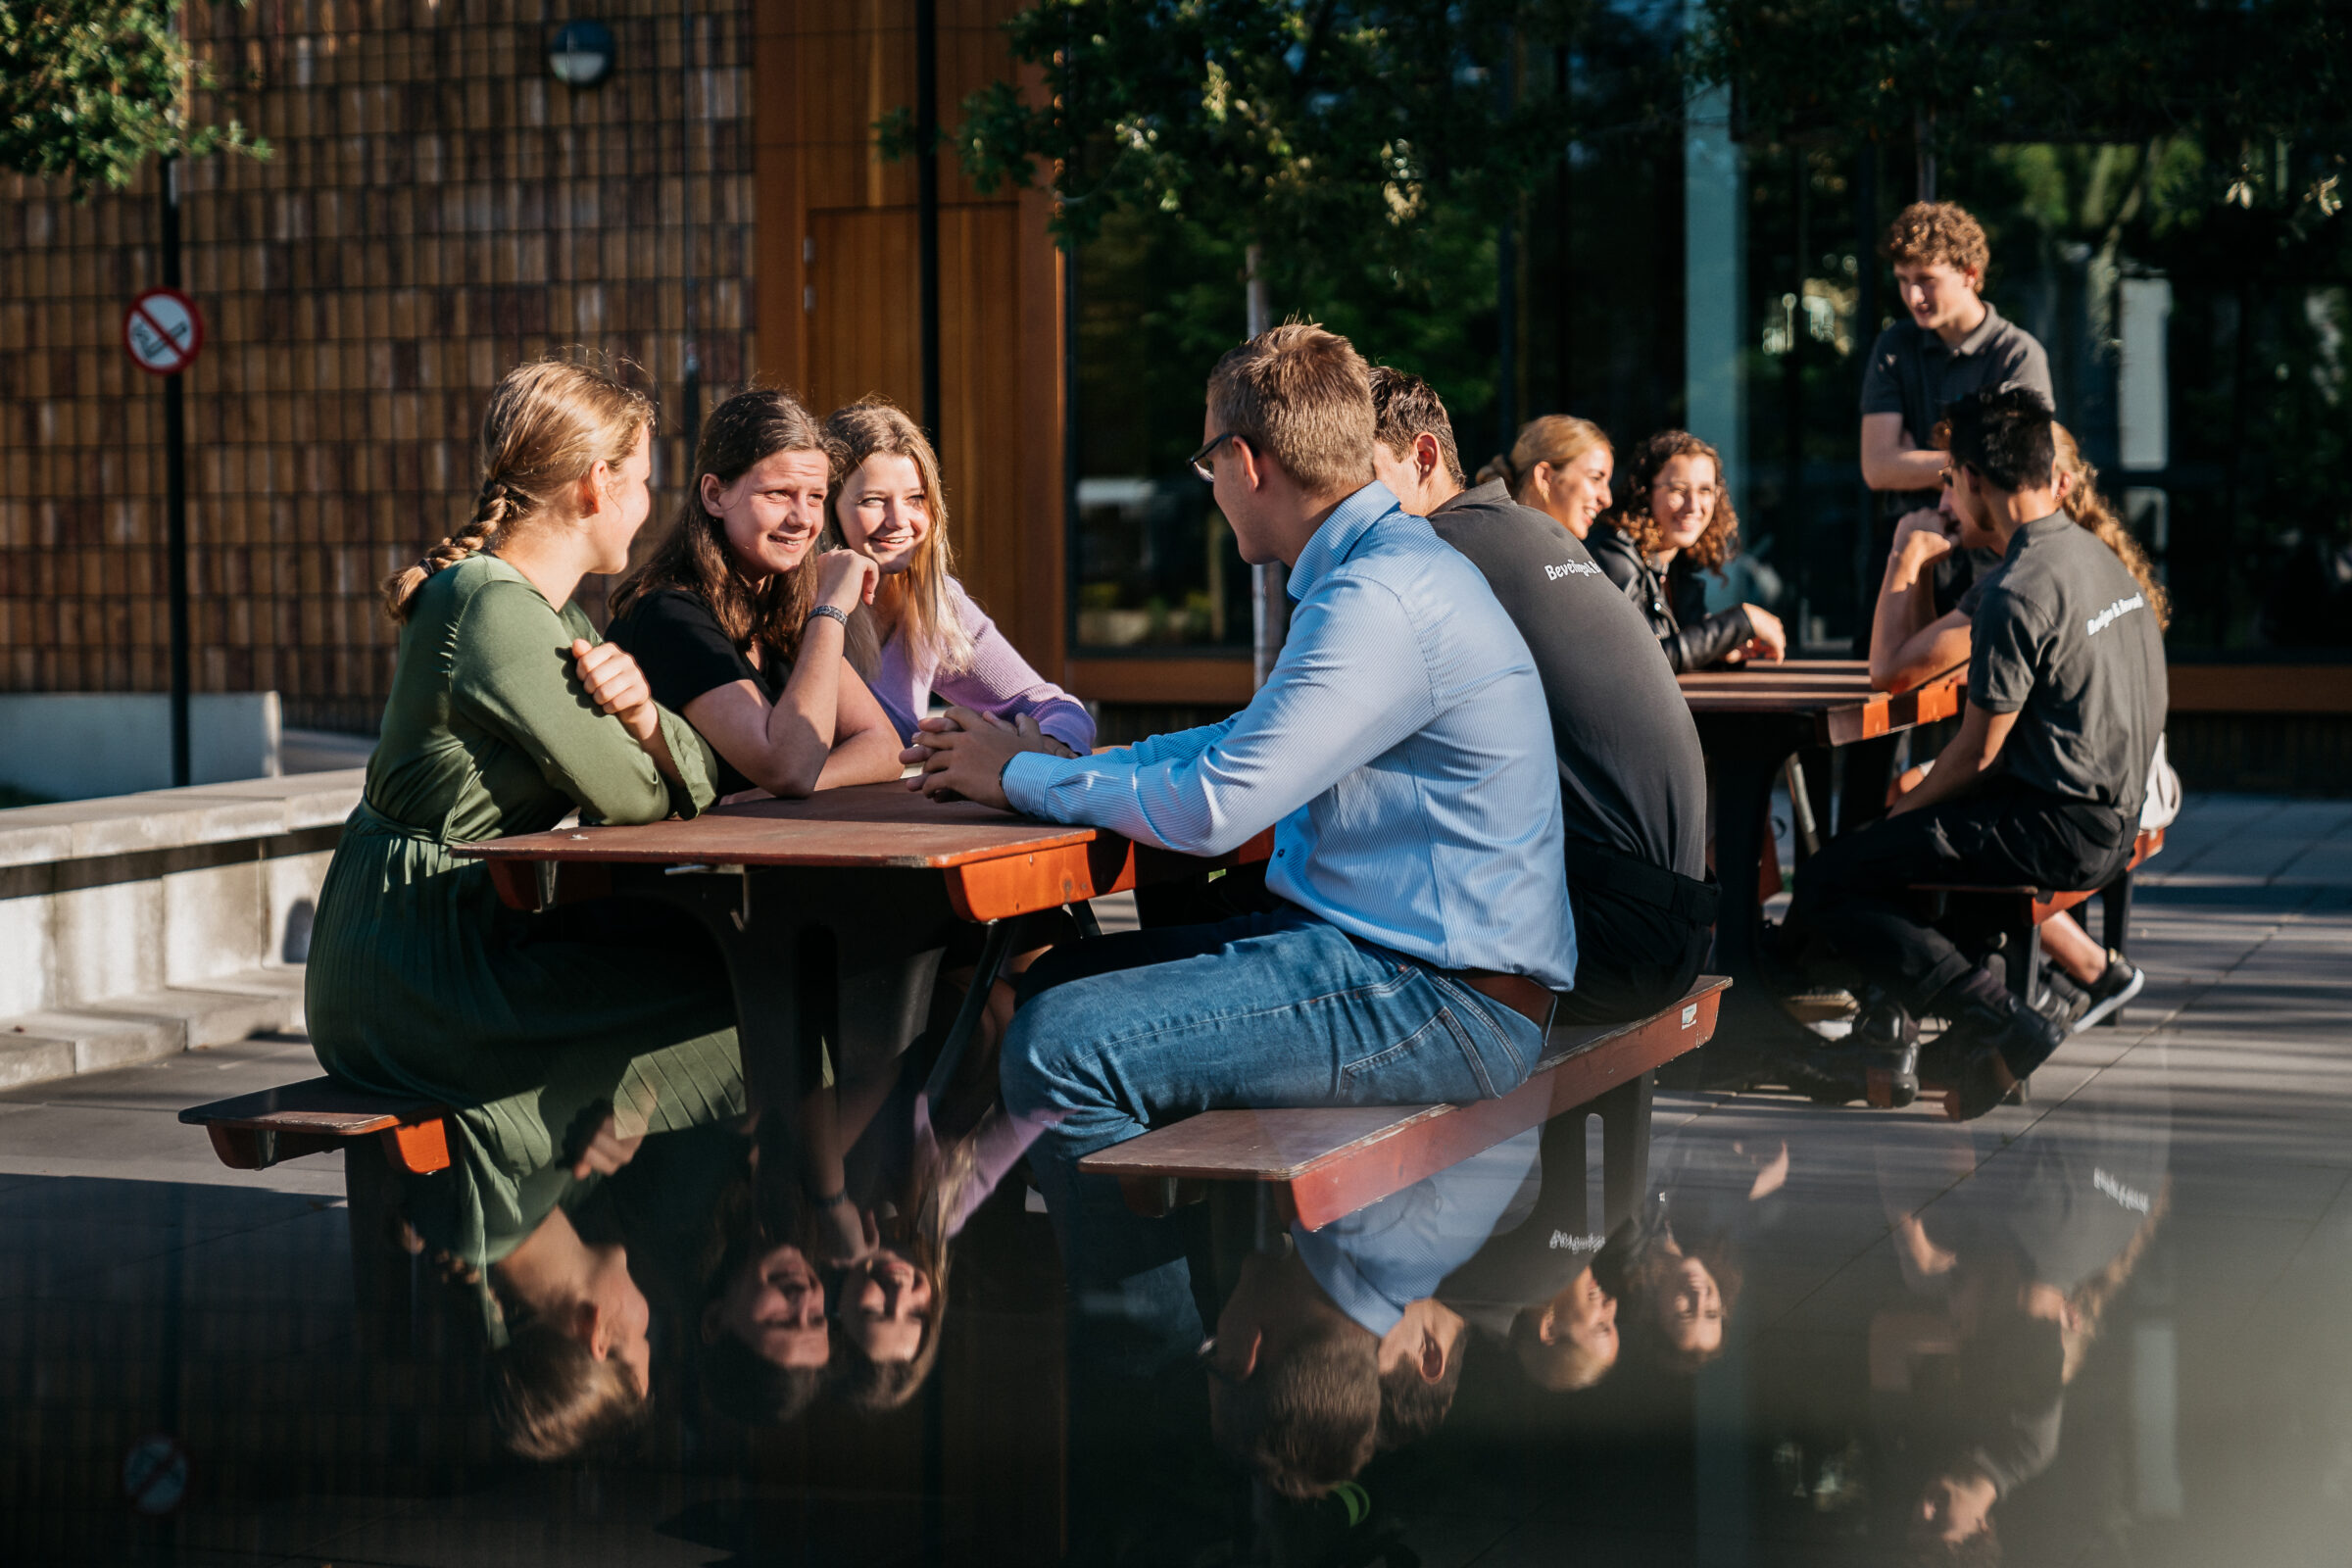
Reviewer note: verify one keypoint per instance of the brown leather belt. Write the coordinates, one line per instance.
(1516, 992)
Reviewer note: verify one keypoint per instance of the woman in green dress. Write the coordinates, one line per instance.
(507, 713)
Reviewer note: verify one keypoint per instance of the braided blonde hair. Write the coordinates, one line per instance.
(548, 422)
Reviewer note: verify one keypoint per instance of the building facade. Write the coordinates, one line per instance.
(438, 207)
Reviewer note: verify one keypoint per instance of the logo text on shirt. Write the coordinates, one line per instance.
(1572, 568)
(2106, 617)
(1563, 1242)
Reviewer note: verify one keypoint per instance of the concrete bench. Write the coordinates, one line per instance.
(318, 1115)
(1319, 1163)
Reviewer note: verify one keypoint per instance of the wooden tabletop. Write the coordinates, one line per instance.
(995, 864)
(1835, 693)
(878, 825)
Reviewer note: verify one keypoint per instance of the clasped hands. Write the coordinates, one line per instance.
(962, 754)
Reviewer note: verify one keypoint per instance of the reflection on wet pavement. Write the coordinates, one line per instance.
(2104, 1327)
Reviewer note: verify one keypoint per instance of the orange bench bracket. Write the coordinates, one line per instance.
(316, 1116)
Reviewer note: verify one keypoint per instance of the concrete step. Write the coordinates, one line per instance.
(123, 1031)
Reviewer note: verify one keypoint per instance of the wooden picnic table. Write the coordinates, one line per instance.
(1751, 720)
(833, 912)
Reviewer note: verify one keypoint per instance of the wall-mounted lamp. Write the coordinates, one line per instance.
(581, 55)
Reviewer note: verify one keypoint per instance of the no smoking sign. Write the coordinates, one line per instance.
(163, 331)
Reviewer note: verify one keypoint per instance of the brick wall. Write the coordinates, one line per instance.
(438, 208)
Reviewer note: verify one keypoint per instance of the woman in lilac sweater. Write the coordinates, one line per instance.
(926, 635)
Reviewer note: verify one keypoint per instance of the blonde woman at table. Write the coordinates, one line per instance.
(508, 713)
(738, 621)
(926, 637)
(1560, 465)
(1677, 521)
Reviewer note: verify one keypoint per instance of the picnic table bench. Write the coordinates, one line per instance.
(1315, 1164)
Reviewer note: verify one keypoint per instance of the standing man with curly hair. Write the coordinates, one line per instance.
(1951, 343)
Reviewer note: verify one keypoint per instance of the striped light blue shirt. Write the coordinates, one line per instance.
(1401, 749)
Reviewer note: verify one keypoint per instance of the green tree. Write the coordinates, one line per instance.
(2263, 86)
(91, 89)
(1322, 131)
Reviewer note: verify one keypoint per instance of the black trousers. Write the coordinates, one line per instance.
(1855, 893)
(1631, 957)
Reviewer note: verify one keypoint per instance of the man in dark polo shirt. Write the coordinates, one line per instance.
(2043, 785)
(1632, 786)
(1951, 343)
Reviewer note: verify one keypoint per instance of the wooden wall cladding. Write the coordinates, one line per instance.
(438, 209)
(839, 280)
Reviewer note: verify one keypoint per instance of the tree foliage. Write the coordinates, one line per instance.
(91, 89)
(1316, 127)
(2265, 86)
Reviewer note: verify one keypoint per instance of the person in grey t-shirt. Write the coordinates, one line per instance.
(2043, 785)
(1633, 783)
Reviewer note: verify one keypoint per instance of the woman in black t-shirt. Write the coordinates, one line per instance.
(1678, 520)
(738, 621)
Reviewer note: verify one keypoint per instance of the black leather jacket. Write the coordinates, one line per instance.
(1674, 603)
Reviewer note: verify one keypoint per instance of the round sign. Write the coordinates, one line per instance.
(163, 331)
(155, 1474)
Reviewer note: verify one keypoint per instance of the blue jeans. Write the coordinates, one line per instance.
(1124, 1032)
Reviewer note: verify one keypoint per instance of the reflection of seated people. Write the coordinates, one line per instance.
(1675, 1265)
(2021, 1261)
(1910, 642)
(2043, 785)
(761, 1324)
(1532, 1287)
(908, 1196)
(1335, 1345)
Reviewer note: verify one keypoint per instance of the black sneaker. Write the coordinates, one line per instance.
(1886, 1040)
(2119, 985)
(2061, 1000)
(1996, 1045)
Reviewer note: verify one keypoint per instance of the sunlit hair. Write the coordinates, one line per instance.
(748, 428)
(1300, 394)
(1563, 1366)
(2089, 508)
(552, 1399)
(925, 608)
(1558, 439)
(548, 422)
(1927, 232)
(1635, 519)
(1405, 408)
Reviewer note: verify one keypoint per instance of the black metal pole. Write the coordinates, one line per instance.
(926, 199)
(691, 378)
(176, 495)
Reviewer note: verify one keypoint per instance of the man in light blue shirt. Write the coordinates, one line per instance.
(1402, 751)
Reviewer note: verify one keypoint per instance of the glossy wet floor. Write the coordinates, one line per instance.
(2128, 1304)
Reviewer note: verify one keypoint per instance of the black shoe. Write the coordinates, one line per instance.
(1886, 1040)
(1996, 1043)
(2062, 1001)
(2119, 985)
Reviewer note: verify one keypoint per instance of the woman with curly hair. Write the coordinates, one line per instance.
(1678, 521)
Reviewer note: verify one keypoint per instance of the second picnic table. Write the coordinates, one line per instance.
(1752, 720)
